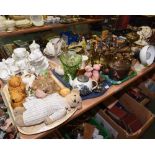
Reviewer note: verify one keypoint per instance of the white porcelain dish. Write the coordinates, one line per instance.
(147, 55)
(37, 20)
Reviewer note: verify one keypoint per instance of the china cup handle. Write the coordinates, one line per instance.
(96, 84)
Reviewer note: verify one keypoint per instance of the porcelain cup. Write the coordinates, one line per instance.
(4, 74)
(9, 62)
(20, 52)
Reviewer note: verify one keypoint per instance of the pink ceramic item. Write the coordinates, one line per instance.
(88, 68)
(97, 67)
(88, 74)
(96, 75)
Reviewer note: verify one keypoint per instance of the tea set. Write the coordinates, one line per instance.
(52, 19)
(22, 60)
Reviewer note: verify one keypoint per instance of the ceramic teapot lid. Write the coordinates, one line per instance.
(83, 78)
(34, 45)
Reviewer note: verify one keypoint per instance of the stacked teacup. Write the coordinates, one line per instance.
(20, 56)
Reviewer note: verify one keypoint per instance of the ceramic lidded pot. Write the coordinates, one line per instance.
(34, 46)
(119, 69)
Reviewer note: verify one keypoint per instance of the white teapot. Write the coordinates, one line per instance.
(35, 55)
(83, 84)
(34, 46)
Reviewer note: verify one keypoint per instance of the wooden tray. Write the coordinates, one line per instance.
(36, 128)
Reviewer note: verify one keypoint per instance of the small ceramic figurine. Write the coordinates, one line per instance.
(83, 84)
(53, 47)
(144, 33)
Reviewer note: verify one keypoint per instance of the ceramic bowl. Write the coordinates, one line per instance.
(147, 55)
(37, 20)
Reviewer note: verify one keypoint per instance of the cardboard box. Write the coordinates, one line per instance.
(143, 114)
(146, 91)
(143, 102)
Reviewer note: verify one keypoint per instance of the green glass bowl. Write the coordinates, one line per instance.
(71, 63)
